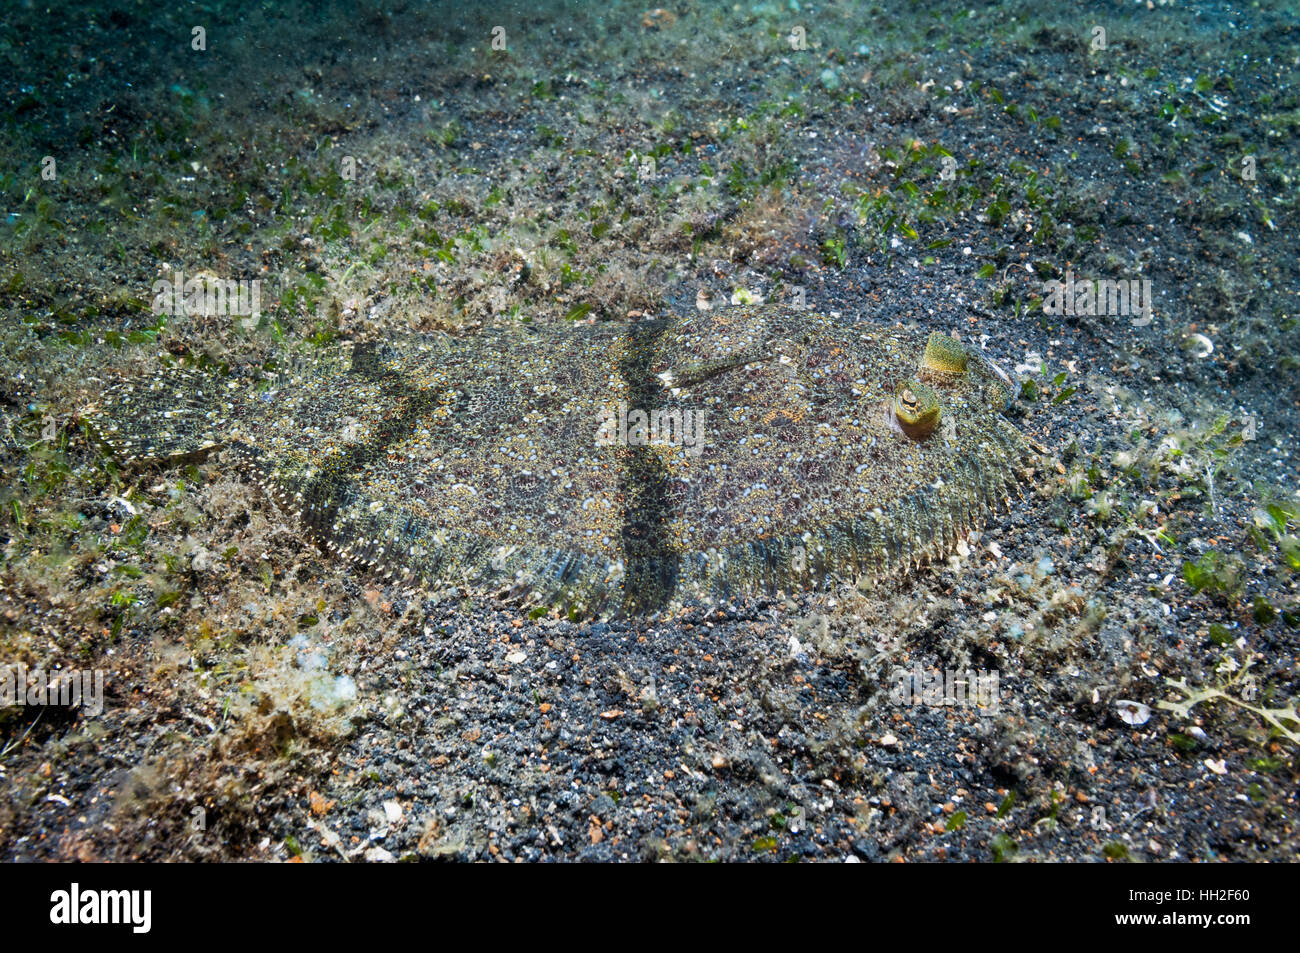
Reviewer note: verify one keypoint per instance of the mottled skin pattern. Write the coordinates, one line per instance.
(829, 450)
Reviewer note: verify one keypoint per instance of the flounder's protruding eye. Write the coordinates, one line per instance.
(944, 358)
(946, 361)
(916, 408)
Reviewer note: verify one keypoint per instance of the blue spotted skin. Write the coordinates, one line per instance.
(478, 462)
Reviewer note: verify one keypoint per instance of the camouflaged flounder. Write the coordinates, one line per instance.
(774, 450)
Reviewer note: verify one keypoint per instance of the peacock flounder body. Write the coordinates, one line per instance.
(608, 469)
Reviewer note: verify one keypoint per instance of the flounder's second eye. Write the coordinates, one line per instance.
(945, 358)
(916, 409)
(946, 362)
